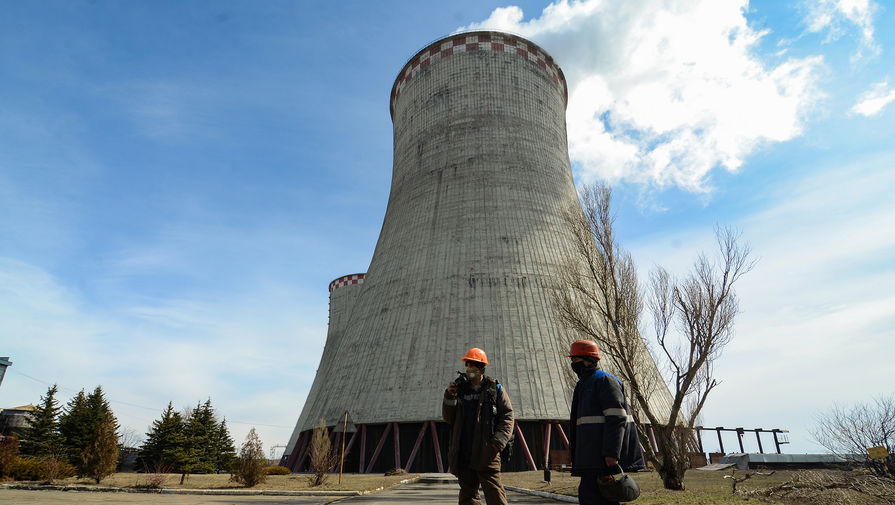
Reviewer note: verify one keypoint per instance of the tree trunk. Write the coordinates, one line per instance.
(672, 442)
(672, 475)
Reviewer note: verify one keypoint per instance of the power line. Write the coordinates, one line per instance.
(121, 402)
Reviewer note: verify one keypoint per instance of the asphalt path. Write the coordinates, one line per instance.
(406, 494)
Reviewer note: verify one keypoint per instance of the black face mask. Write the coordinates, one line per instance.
(583, 368)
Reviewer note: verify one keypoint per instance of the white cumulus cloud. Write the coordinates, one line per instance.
(661, 92)
(873, 101)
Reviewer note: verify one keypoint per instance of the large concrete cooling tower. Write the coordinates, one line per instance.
(472, 239)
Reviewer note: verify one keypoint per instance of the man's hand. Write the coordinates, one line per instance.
(610, 461)
(451, 391)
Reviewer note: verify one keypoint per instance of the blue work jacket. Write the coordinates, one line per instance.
(601, 425)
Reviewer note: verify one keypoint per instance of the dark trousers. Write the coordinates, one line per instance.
(470, 479)
(589, 492)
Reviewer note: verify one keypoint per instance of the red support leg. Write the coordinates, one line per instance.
(416, 446)
(531, 461)
(562, 434)
(547, 447)
(397, 434)
(437, 447)
(296, 451)
(305, 452)
(335, 443)
(363, 447)
(351, 442)
(381, 443)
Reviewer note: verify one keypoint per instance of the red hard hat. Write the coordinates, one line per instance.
(475, 354)
(584, 349)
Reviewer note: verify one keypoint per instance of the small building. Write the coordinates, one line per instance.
(13, 421)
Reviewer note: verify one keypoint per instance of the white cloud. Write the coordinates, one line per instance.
(832, 15)
(664, 91)
(873, 101)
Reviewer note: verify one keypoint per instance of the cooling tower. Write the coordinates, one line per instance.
(472, 239)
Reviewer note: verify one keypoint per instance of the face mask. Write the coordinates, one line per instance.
(472, 375)
(582, 368)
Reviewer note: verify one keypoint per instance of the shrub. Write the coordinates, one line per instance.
(9, 451)
(321, 459)
(277, 470)
(56, 468)
(249, 467)
(41, 469)
(27, 469)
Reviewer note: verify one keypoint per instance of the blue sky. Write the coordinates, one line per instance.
(179, 182)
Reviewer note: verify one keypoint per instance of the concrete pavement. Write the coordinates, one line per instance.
(428, 493)
(432, 494)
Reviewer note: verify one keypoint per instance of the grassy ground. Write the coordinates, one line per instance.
(702, 488)
(295, 482)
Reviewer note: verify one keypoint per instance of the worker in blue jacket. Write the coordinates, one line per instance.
(602, 434)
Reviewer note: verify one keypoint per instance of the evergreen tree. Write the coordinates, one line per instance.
(100, 457)
(82, 424)
(164, 448)
(199, 432)
(41, 439)
(74, 427)
(251, 463)
(224, 449)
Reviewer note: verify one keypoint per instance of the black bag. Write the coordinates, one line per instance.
(621, 488)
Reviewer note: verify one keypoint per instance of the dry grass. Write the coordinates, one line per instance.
(294, 482)
(702, 488)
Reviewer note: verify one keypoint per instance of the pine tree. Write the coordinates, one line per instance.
(41, 439)
(74, 427)
(100, 457)
(81, 425)
(224, 449)
(164, 448)
(198, 433)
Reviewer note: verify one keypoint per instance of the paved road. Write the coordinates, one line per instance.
(433, 494)
(416, 493)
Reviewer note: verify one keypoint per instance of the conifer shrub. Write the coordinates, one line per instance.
(250, 465)
(37, 469)
(277, 470)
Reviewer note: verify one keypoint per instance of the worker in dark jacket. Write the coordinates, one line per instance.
(602, 434)
(481, 416)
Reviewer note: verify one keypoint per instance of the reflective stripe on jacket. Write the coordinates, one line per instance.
(601, 425)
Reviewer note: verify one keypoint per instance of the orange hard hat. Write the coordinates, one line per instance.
(475, 354)
(584, 349)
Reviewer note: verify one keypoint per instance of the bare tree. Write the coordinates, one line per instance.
(599, 297)
(850, 432)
